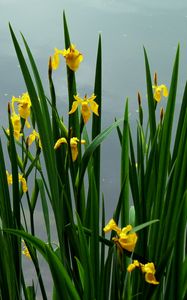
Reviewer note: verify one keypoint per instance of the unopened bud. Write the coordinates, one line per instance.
(161, 114)
(9, 109)
(139, 99)
(50, 67)
(155, 79)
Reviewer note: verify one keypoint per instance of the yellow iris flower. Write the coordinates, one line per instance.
(148, 269)
(72, 56)
(73, 144)
(34, 136)
(159, 91)
(24, 105)
(88, 105)
(126, 240)
(20, 178)
(16, 123)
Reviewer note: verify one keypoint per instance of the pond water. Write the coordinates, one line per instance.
(126, 26)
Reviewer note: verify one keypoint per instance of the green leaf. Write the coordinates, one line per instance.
(58, 271)
(96, 121)
(90, 150)
(151, 107)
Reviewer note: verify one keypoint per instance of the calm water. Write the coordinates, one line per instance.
(126, 26)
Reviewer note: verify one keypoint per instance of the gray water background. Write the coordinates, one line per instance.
(125, 27)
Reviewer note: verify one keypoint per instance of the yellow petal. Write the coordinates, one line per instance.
(55, 60)
(86, 111)
(74, 107)
(128, 241)
(59, 142)
(112, 226)
(94, 107)
(165, 90)
(150, 278)
(23, 183)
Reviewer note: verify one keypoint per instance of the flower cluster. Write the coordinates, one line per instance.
(73, 144)
(24, 111)
(127, 240)
(148, 269)
(73, 59)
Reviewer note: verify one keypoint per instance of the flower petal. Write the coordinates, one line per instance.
(74, 107)
(59, 142)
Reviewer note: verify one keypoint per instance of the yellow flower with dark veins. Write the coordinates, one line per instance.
(88, 105)
(24, 105)
(126, 239)
(72, 56)
(148, 269)
(73, 144)
(159, 91)
(34, 136)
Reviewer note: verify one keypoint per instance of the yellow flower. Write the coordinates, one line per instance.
(55, 59)
(72, 56)
(148, 269)
(60, 142)
(23, 183)
(25, 250)
(126, 240)
(73, 144)
(24, 104)
(16, 123)
(159, 91)
(74, 149)
(32, 137)
(88, 105)
(20, 178)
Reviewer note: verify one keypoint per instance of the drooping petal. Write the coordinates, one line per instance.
(74, 107)
(59, 142)
(165, 90)
(74, 148)
(94, 107)
(23, 183)
(55, 60)
(85, 111)
(150, 278)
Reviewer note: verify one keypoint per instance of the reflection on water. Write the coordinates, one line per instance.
(125, 27)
